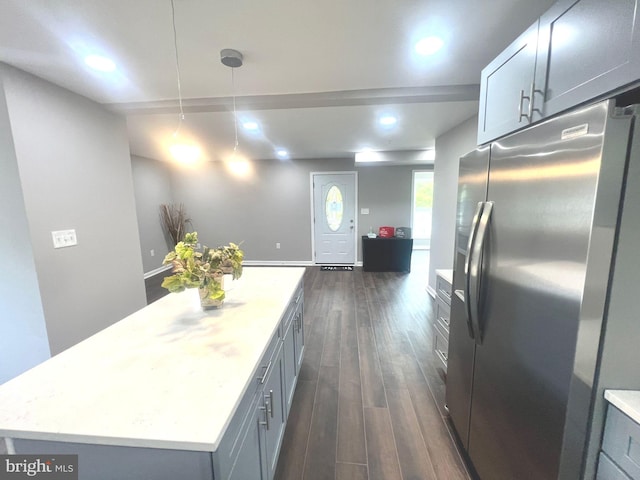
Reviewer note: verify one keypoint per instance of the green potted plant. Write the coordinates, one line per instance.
(203, 270)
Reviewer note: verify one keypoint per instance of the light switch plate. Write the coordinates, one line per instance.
(64, 238)
(364, 211)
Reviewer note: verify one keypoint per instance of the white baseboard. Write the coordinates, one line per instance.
(156, 271)
(288, 263)
(254, 263)
(277, 263)
(431, 291)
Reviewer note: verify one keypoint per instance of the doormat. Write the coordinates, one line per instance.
(336, 268)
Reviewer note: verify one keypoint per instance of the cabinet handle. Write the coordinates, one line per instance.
(266, 372)
(266, 417)
(271, 402)
(523, 97)
(445, 294)
(444, 320)
(534, 90)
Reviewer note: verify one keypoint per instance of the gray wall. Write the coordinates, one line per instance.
(152, 186)
(274, 204)
(75, 172)
(450, 146)
(386, 192)
(23, 334)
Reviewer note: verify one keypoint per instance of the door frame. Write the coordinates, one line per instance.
(355, 213)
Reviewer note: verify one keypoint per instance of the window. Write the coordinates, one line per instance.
(422, 207)
(334, 208)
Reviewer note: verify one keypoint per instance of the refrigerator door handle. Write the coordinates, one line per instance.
(475, 271)
(467, 266)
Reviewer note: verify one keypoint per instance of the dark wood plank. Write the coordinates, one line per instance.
(296, 437)
(351, 471)
(415, 462)
(446, 460)
(351, 439)
(373, 394)
(315, 328)
(321, 448)
(383, 457)
(332, 338)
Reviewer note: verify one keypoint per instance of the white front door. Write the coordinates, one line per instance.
(334, 211)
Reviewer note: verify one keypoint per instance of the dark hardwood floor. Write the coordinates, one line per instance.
(369, 403)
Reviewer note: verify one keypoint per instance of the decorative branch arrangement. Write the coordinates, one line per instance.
(174, 219)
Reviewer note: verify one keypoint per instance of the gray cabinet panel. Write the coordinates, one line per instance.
(248, 464)
(108, 462)
(505, 88)
(298, 335)
(607, 470)
(274, 410)
(622, 442)
(586, 48)
(289, 364)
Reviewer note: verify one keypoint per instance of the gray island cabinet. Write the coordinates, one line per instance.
(171, 391)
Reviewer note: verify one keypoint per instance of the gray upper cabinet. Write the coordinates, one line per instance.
(505, 88)
(586, 49)
(578, 51)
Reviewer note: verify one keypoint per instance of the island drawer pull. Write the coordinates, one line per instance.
(266, 417)
(266, 372)
(271, 402)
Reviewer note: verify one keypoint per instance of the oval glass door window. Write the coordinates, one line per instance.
(334, 208)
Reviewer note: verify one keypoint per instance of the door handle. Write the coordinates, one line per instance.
(467, 267)
(475, 277)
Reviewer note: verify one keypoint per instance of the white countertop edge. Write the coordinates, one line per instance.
(97, 440)
(627, 401)
(445, 273)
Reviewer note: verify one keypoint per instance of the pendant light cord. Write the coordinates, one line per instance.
(175, 45)
(235, 115)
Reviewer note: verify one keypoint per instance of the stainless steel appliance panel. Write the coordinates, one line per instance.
(472, 189)
(542, 183)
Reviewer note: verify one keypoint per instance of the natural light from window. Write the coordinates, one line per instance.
(422, 207)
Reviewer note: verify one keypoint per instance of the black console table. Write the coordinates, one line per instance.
(386, 254)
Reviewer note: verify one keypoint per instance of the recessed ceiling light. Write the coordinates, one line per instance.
(250, 126)
(429, 45)
(388, 120)
(368, 155)
(102, 64)
(282, 153)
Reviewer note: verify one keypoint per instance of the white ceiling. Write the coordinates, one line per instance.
(316, 74)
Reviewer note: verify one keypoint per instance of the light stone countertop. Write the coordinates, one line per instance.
(627, 401)
(445, 273)
(168, 376)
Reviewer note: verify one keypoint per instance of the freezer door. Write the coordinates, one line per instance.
(542, 183)
(472, 189)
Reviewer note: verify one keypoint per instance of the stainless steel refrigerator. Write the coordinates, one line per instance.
(546, 267)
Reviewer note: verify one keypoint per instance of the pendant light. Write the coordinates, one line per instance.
(233, 59)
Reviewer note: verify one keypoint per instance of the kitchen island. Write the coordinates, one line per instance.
(171, 391)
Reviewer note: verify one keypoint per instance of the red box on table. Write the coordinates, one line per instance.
(386, 232)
